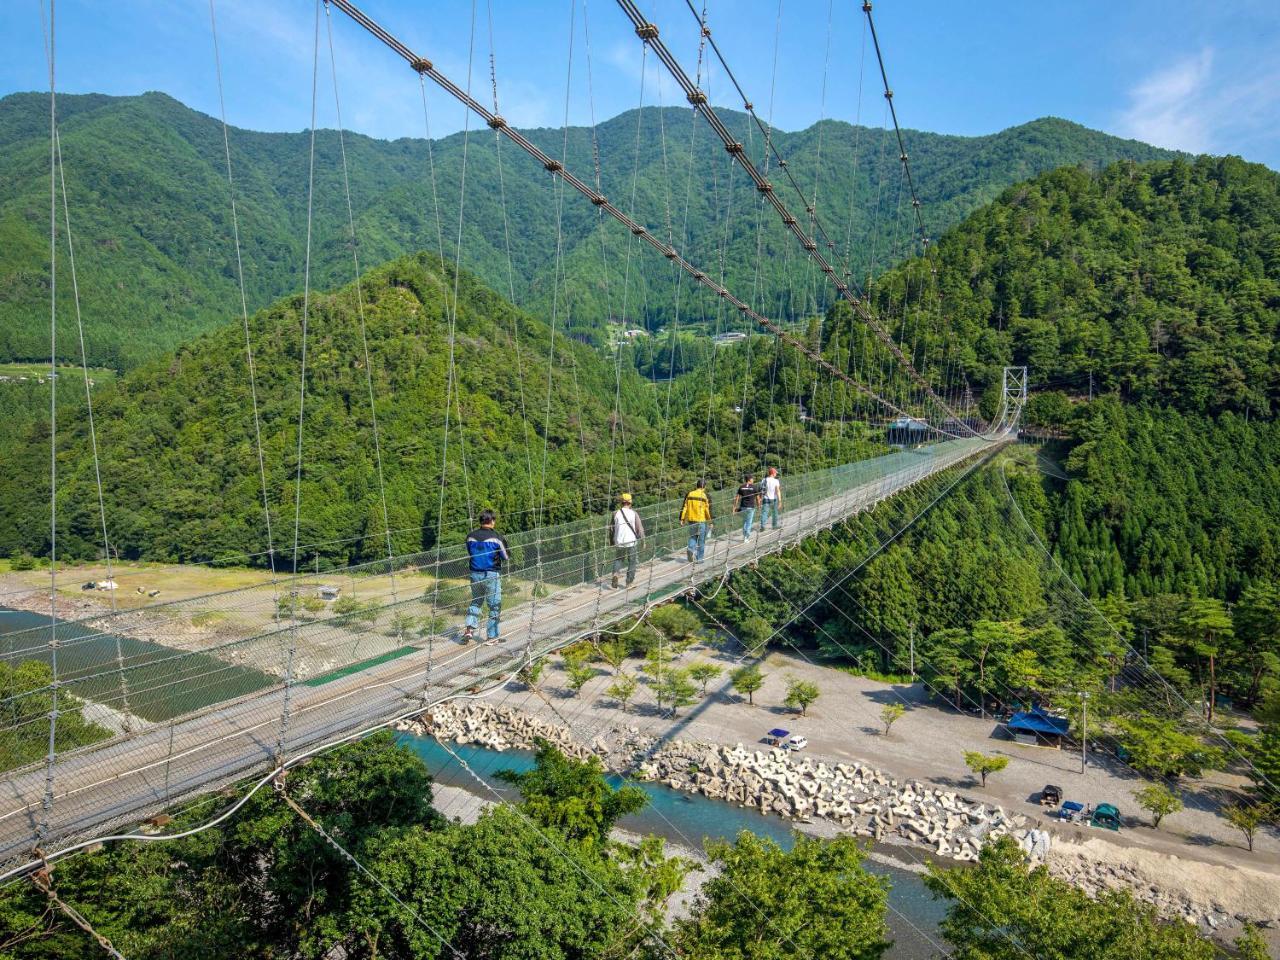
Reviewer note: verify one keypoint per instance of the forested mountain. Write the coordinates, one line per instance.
(1162, 281)
(179, 457)
(150, 212)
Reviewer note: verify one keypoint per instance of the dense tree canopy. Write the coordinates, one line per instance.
(149, 203)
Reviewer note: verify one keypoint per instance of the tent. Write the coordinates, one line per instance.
(1037, 726)
(777, 736)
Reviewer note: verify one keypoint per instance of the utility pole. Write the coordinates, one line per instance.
(911, 641)
(1084, 731)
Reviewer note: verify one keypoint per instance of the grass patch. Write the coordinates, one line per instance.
(208, 618)
(356, 667)
(879, 676)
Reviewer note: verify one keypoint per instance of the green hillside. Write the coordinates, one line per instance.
(149, 202)
(179, 462)
(1161, 280)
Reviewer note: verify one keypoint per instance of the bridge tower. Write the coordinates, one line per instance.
(1013, 394)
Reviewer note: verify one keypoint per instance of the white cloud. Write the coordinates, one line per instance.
(1203, 103)
(1168, 108)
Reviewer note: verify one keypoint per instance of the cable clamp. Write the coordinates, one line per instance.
(496, 122)
(647, 31)
(598, 199)
(888, 94)
(697, 97)
(553, 166)
(765, 187)
(422, 65)
(734, 147)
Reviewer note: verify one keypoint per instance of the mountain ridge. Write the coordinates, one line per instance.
(149, 204)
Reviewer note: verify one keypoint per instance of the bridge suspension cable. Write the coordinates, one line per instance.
(558, 169)
(648, 32)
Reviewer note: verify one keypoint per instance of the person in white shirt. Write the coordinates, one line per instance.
(626, 530)
(771, 498)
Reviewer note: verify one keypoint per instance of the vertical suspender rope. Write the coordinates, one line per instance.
(93, 432)
(364, 335)
(451, 383)
(244, 315)
(432, 626)
(506, 243)
(538, 588)
(46, 804)
(292, 652)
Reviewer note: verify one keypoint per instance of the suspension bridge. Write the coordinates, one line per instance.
(308, 676)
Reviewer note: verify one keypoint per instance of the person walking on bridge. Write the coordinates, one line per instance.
(626, 530)
(697, 513)
(771, 498)
(487, 551)
(744, 502)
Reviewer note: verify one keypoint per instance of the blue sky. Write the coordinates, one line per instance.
(1191, 75)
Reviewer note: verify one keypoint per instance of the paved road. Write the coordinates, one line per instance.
(125, 780)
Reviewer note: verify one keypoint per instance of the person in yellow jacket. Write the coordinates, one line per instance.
(697, 513)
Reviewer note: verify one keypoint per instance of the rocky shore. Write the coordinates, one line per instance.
(857, 798)
(854, 797)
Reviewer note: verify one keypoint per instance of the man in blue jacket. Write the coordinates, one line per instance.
(487, 550)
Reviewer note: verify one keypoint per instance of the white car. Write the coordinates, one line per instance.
(797, 743)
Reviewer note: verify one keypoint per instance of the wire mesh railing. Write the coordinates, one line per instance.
(188, 718)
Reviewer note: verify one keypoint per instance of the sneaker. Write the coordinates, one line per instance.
(491, 641)
(614, 583)
(468, 634)
(689, 555)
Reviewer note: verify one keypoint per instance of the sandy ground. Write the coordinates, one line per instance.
(1195, 851)
(925, 744)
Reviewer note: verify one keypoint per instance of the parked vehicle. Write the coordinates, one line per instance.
(1050, 796)
(797, 742)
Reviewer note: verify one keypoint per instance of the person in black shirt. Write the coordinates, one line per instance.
(486, 551)
(745, 502)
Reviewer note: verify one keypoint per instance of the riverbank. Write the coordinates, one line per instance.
(826, 796)
(465, 783)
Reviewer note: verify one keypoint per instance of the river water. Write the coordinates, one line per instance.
(689, 819)
(160, 682)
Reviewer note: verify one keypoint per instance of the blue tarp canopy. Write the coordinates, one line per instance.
(779, 733)
(1072, 807)
(1036, 720)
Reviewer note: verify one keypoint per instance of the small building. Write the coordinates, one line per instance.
(1036, 727)
(907, 432)
(328, 593)
(733, 336)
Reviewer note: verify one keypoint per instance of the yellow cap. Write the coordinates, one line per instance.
(625, 497)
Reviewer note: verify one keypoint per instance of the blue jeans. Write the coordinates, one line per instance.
(748, 515)
(768, 507)
(697, 539)
(486, 587)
